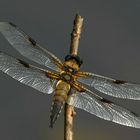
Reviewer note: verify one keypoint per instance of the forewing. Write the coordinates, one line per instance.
(26, 46)
(104, 109)
(116, 88)
(26, 74)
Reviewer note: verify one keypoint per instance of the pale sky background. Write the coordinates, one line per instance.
(110, 46)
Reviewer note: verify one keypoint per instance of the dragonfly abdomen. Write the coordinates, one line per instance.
(59, 99)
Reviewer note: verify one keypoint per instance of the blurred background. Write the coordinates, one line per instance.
(110, 46)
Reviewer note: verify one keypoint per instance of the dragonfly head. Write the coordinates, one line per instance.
(75, 58)
(73, 61)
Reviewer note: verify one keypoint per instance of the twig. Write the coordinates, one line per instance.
(75, 35)
(69, 110)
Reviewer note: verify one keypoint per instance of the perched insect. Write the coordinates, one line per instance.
(66, 81)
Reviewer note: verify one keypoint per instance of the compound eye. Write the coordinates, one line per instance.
(78, 60)
(67, 57)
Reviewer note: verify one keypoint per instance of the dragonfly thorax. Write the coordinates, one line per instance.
(65, 76)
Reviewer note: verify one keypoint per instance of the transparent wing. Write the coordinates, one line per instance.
(26, 74)
(26, 46)
(104, 109)
(116, 88)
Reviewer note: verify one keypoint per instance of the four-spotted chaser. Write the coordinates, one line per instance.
(66, 81)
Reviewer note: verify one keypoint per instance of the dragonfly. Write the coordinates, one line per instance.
(65, 81)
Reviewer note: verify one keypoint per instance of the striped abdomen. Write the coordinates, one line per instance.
(59, 99)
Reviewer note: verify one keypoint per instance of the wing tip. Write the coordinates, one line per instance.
(135, 114)
(12, 24)
(8, 22)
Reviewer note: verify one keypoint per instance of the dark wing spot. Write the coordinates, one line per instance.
(12, 24)
(33, 42)
(119, 82)
(24, 63)
(134, 114)
(105, 101)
